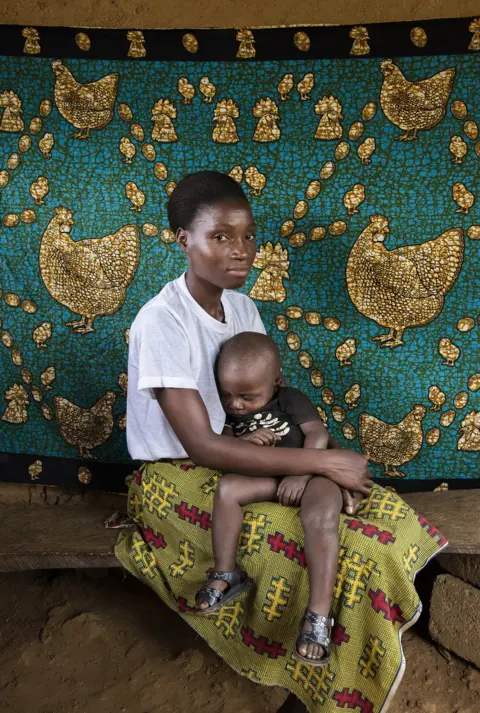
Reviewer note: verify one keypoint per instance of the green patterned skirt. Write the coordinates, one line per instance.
(382, 548)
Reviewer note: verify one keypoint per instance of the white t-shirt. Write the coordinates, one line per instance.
(174, 344)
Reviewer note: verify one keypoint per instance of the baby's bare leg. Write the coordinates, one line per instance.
(320, 513)
(233, 491)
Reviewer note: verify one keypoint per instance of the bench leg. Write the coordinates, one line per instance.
(292, 705)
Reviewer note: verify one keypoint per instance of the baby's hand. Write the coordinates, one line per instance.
(291, 489)
(261, 437)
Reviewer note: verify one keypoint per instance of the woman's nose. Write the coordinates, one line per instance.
(239, 249)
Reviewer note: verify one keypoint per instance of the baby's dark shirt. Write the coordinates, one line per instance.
(283, 415)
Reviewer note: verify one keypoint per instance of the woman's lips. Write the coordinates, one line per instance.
(239, 271)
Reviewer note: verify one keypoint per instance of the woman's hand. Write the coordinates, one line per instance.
(346, 468)
(261, 437)
(291, 489)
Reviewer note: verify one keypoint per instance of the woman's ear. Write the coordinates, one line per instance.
(182, 239)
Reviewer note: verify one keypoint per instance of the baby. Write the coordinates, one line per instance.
(261, 410)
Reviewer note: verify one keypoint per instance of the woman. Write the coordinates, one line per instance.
(174, 424)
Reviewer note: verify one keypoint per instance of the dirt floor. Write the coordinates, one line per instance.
(96, 642)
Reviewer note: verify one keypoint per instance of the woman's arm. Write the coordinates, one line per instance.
(188, 417)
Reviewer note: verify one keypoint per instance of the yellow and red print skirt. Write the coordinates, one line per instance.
(382, 548)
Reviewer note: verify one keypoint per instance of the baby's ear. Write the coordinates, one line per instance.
(280, 380)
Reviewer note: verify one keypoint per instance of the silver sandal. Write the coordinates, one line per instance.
(217, 598)
(321, 633)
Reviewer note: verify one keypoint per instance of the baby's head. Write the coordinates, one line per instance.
(248, 372)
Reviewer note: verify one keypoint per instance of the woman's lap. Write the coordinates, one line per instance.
(381, 550)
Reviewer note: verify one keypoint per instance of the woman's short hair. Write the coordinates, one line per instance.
(197, 190)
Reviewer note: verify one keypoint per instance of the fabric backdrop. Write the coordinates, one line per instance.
(357, 146)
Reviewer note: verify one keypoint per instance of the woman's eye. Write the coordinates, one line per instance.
(221, 237)
(251, 237)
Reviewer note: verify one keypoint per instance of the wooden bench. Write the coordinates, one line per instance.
(72, 535)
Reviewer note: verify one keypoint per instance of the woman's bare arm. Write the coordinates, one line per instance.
(188, 417)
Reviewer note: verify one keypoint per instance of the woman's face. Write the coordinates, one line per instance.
(220, 244)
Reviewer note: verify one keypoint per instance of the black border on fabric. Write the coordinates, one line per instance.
(110, 477)
(392, 39)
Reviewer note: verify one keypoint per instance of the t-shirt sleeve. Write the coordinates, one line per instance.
(162, 352)
(257, 324)
(297, 405)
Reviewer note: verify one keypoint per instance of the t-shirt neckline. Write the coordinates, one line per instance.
(206, 318)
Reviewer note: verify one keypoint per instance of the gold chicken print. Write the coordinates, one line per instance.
(305, 86)
(41, 334)
(353, 198)
(208, 89)
(46, 144)
(246, 49)
(255, 180)
(137, 44)
(470, 432)
(135, 196)
(32, 40)
(360, 39)
(285, 86)
(186, 89)
(11, 104)
(346, 351)
(330, 111)
(163, 129)
(39, 189)
(449, 351)
(90, 277)
(414, 106)
(366, 149)
(85, 428)
(458, 149)
(224, 115)
(274, 264)
(405, 287)
(392, 445)
(463, 198)
(267, 128)
(16, 411)
(86, 106)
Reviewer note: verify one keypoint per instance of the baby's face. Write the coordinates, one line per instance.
(246, 390)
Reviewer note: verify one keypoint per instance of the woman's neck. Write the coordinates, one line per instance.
(208, 296)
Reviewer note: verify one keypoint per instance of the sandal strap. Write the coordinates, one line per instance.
(210, 595)
(232, 578)
(321, 632)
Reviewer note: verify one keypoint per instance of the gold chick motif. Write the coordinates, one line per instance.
(353, 198)
(360, 39)
(267, 129)
(16, 411)
(365, 150)
(353, 395)
(135, 196)
(137, 44)
(11, 104)
(404, 287)
(47, 377)
(236, 173)
(330, 111)
(474, 28)
(127, 148)
(34, 469)
(255, 180)
(274, 264)
(85, 428)
(224, 115)
(208, 89)
(392, 445)
(470, 432)
(32, 40)
(85, 106)
(90, 277)
(463, 198)
(186, 89)
(162, 114)
(436, 396)
(414, 106)
(246, 49)
(458, 148)
(39, 189)
(46, 144)
(41, 333)
(305, 86)
(449, 351)
(345, 352)
(285, 86)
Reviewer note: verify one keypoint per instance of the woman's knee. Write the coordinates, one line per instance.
(228, 488)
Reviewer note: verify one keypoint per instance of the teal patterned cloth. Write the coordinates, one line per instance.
(419, 187)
